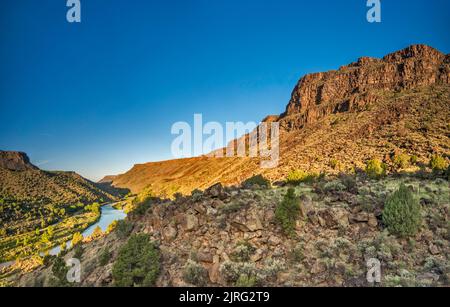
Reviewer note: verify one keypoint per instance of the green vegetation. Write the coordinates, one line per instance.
(77, 238)
(59, 270)
(104, 257)
(138, 263)
(287, 212)
(195, 274)
(402, 213)
(402, 161)
(375, 169)
(258, 180)
(123, 229)
(246, 281)
(95, 208)
(242, 252)
(438, 164)
(298, 176)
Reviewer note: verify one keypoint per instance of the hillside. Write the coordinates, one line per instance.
(33, 200)
(24, 182)
(335, 121)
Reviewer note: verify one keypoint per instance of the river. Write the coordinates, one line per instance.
(108, 215)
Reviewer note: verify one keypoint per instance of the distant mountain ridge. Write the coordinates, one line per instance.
(369, 108)
(21, 181)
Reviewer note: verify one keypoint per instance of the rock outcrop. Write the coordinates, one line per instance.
(352, 87)
(15, 161)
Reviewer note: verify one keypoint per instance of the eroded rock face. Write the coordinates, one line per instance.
(15, 161)
(350, 88)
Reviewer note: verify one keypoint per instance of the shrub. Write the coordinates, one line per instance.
(401, 213)
(243, 251)
(195, 274)
(287, 212)
(375, 168)
(231, 271)
(299, 176)
(402, 161)
(59, 270)
(104, 257)
(78, 251)
(246, 281)
(123, 229)
(258, 180)
(138, 263)
(414, 159)
(349, 181)
(438, 163)
(448, 173)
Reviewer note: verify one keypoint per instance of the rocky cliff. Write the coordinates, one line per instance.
(16, 161)
(353, 87)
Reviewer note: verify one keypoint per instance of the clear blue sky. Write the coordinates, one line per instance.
(100, 96)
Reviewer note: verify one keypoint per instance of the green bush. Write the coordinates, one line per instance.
(299, 176)
(78, 251)
(104, 257)
(414, 159)
(246, 281)
(59, 269)
(195, 273)
(123, 229)
(402, 161)
(287, 212)
(138, 263)
(256, 180)
(438, 163)
(448, 173)
(375, 169)
(401, 213)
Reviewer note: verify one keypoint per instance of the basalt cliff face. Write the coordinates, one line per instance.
(354, 86)
(16, 161)
(369, 108)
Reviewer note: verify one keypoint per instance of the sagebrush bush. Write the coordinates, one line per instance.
(438, 163)
(195, 273)
(402, 214)
(299, 176)
(375, 169)
(349, 181)
(258, 180)
(243, 251)
(138, 263)
(287, 212)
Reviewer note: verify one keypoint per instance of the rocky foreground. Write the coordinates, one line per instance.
(229, 236)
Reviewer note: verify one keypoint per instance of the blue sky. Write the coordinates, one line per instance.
(102, 95)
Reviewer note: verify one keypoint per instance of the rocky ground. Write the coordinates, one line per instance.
(216, 237)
